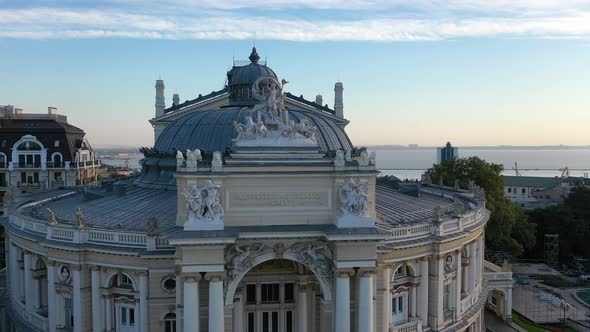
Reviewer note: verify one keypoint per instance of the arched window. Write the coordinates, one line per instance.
(169, 322)
(28, 146)
(3, 160)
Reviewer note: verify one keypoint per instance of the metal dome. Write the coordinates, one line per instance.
(213, 130)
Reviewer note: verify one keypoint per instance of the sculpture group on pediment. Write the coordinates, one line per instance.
(269, 121)
(354, 199)
(204, 204)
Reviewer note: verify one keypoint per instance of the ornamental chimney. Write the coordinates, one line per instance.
(175, 99)
(338, 105)
(160, 99)
(52, 110)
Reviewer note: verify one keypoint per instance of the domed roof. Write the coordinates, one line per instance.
(248, 74)
(213, 130)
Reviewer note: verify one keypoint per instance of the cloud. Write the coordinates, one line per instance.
(47, 23)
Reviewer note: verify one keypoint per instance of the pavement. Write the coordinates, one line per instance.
(495, 323)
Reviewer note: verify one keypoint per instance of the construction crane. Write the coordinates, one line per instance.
(565, 172)
(515, 169)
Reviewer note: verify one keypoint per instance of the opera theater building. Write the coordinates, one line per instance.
(254, 212)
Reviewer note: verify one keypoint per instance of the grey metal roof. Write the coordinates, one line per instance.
(398, 208)
(531, 181)
(129, 211)
(213, 130)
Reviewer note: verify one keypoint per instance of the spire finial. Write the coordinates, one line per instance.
(254, 57)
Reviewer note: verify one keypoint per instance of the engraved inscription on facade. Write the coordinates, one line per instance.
(278, 199)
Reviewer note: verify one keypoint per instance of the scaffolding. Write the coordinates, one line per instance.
(552, 250)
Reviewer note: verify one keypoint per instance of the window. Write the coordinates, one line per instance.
(170, 322)
(524, 190)
(446, 298)
(270, 293)
(251, 322)
(169, 284)
(124, 315)
(400, 304)
(251, 294)
(289, 319)
(131, 317)
(125, 280)
(289, 292)
(56, 143)
(509, 189)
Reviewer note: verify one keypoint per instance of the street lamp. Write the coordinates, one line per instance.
(565, 307)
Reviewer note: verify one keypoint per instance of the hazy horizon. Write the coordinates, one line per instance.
(475, 74)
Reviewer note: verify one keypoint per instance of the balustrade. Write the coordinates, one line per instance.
(411, 326)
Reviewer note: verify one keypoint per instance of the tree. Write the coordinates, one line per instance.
(571, 220)
(508, 229)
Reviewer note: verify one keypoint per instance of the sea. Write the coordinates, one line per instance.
(411, 163)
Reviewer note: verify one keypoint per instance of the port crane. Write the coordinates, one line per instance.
(565, 172)
(515, 169)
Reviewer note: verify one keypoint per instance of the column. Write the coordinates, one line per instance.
(216, 322)
(437, 304)
(97, 317)
(51, 303)
(464, 276)
(386, 282)
(179, 290)
(77, 299)
(481, 246)
(414, 301)
(342, 318)
(191, 302)
(28, 282)
(472, 266)
(36, 293)
(238, 315)
(108, 313)
(423, 291)
(365, 317)
(508, 305)
(302, 308)
(143, 302)
(458, 283)
(14, 272)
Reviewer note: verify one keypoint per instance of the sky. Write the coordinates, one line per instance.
(475, 72)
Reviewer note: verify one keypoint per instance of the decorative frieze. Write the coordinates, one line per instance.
(203, 205)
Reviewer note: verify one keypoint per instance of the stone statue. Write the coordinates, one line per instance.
(80, 219)
(204, 204)
(239, 259)
(52, 219)
(437, 214)
(217, 162)
(364, 160)
(179, 158)
(373, 158)
(153, 227)
(192, 157)
(316, 256)
(347, 155)
(339, 160)
(353, 199)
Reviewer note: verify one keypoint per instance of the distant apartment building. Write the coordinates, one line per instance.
(446, 153)
(43, 151)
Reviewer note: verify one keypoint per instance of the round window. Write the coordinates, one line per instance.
(169, 284)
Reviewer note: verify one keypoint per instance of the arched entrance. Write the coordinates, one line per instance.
(277, 289)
